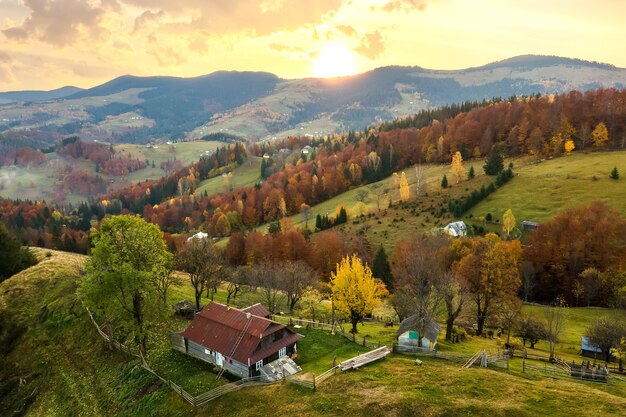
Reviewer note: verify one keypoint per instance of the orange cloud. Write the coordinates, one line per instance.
(372, 45)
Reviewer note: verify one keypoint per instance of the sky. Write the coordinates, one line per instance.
(46, 44)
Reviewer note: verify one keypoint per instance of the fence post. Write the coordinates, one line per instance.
(523, 365)
(314, 382)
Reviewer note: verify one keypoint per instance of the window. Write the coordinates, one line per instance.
(259, 365)
(282, 352)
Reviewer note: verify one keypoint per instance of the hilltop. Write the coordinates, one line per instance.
(262, 105)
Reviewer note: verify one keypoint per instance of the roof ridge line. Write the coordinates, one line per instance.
(245, 312)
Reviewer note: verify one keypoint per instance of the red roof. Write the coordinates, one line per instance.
(258, 310)
(217, 327)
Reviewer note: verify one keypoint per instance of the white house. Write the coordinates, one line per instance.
(199, 235)
(455, 229)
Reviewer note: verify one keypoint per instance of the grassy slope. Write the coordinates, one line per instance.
(543, 190)
(36, 183)
(69, 372)
(538, 192)
(247, 174)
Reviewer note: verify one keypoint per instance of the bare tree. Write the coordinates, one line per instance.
(419, 174)
(307, 213)
(453, 295)
(510, 311)
(295, 277)
(555, 323)
(233, 287)
(361, 195)
(163, 281)
(417, 267)
(379, 192)
(267, 277)
(528, 280)
(204, 264)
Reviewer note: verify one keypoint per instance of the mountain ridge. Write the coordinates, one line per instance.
(261, 105)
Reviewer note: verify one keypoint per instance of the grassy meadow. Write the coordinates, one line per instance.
(538, 191)
(541, 190)
(247, 174)
(55, 364)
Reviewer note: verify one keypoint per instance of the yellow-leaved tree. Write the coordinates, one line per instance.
(508, 222)
(569, 146)
(404, 187)
(456, 167)
(355, 291)
(600, 135)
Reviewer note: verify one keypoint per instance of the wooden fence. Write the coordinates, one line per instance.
(562, 370)
(499, 359)
(325, 375)
(198, 400)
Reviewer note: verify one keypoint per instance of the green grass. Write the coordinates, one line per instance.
(59, 367)
(247, 174)
(541, 190)
(538, 192)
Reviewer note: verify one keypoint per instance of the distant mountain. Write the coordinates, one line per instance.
(261, 105)
(37, 96)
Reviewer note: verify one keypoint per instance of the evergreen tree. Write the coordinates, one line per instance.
(495, 162)
(381, 268)
(614, 173)
(13, 257)
(471, 174)
(444, 181)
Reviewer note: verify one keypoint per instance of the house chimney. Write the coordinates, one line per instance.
(248, 316)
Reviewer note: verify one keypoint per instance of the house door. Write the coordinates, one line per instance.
(219, 359)
(282, 352)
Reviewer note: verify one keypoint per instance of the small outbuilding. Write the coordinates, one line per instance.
(589, 350)
(530, 226)
(409, 335)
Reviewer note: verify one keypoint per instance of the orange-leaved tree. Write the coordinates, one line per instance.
(489, 268)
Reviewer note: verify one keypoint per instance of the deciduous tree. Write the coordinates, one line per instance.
(404, 187)
(555, 315)
(531, 329)
(508, 222)
(489, 268)
(295, 277)
(13, 257)
(355, 292)
(600, 135)
(127, 254)
(607, 334)
(456, 167)
(204, 263)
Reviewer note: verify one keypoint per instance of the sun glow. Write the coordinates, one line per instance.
(334, 60)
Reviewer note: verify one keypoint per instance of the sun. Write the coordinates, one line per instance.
(334, 60)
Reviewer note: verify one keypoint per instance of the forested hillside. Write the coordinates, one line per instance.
(132, 109)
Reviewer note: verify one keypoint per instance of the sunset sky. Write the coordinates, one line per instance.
(46, 44)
